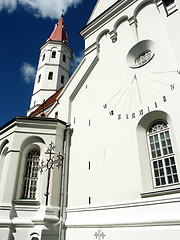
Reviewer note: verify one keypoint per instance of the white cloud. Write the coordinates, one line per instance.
(76, 60)
(40, 8)
(28, 72)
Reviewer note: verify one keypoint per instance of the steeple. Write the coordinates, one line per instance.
(54, 66)
(59, 32)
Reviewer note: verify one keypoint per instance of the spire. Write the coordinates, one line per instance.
(59, 32)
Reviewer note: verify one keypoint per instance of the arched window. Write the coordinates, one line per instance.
(50, 76)
(64, 58)
(39, 78)
(162, 155)
(168, 2)
(54, 54)
(62, 79)
(31, 175)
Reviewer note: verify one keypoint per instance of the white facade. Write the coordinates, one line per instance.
(121, 175)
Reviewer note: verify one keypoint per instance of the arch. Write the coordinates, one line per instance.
(119, 22)
(142, 5)
(4, 149)
(144, 149)
(34, 236)
(6, 141)
(102, 34)
(35, 143)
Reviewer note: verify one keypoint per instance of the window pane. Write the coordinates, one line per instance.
(158, 182)
(155, 164)
(176, 178)
(160, 163)
(163, 180)
(170, 180)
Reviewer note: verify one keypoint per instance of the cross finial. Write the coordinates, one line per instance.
(62, 14)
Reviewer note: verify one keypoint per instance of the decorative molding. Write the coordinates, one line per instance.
(84, 78)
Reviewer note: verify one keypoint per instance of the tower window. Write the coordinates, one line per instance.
(54, 54)
(50, 76)
(64, 58)
(43, 57)
(162, 156)
(39, 78)
(31, 175)
(56, 115)
(168, 2)
(62, 79)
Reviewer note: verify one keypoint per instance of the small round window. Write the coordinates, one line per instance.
(140, 54)
(143, 58)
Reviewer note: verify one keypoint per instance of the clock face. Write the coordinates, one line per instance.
(141, 92)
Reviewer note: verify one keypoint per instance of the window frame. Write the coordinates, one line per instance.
(159, 142)
(148, 189)
(30, 176)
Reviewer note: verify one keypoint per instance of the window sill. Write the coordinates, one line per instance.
(160, 192)
(26, 202)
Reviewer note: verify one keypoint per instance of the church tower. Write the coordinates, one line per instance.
(54, 66)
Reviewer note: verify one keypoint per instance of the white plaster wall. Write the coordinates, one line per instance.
(109, 144)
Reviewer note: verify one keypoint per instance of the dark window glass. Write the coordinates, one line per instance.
(50, 76)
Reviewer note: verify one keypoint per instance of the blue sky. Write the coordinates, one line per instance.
(25, 26)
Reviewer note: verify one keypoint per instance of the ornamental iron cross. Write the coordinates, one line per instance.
(49, 165)
(99, 234)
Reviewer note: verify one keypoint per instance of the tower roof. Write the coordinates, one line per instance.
(59, 32)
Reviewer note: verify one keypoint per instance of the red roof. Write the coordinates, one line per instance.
(47, 103)
(59, 32)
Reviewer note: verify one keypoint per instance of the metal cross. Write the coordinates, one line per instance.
(49, 165)
(99, 234)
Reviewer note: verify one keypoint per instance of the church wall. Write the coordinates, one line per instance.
(105, 142)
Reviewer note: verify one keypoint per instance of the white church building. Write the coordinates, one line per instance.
(98, 154)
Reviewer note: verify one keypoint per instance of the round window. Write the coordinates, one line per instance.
(140, 54)
(143, 58)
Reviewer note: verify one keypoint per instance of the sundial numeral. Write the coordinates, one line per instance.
(172, 86)
(148, 109)
(111, 112)
(178, 71)
(155, 104)
(105, 106)
(141, 112)
(119, 116)
(127, 116)
(133, 115)
(164, 99)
